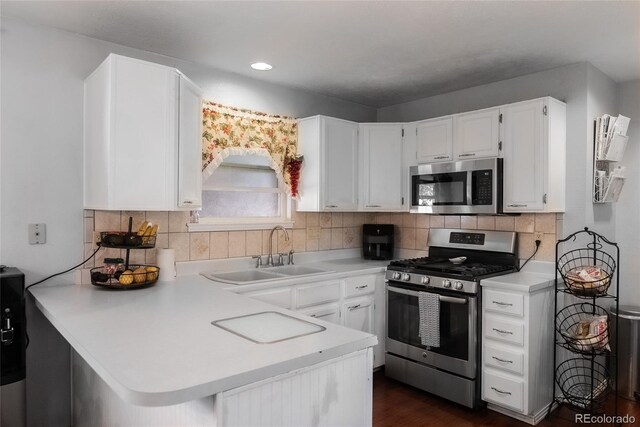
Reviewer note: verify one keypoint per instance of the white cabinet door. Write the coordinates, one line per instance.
(434, 140)
(141, 140)
(476, 134)
(523, 153)
(381, 163)
(357, 313)
(339, 164)
(190, 146)
(328, 313)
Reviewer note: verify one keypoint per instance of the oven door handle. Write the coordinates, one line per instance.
(442, 298)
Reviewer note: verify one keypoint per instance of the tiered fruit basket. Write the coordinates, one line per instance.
(118, 273)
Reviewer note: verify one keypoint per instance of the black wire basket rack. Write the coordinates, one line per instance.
(573, 323)
(572, 263)
(584, 383)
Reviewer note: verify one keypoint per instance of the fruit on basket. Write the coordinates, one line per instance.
(126, 278)
(145, 237)
(133, 277)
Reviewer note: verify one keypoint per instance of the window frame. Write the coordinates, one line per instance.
(248, 223)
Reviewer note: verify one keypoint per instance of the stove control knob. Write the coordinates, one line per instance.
(458, 286)
(446, 283)
(396, 276)
(406, 277)
(425, 280)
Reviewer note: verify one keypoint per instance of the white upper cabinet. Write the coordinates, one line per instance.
(476, 134)
(329, 175)
(533, 135)
(381, 161)
(141, 137)
(465, 136)
(190, 153)
(434, 140)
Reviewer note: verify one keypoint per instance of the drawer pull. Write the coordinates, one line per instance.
(441, 157)
(467, 155)
(502, 331)
(506, 304)
(502, 360)
(362, 286)
(314, 315)
(373, 206)
(353, 307)
(500, 391)
(517, 205)
(332, 206)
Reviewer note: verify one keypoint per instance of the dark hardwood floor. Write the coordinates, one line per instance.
(396, 404)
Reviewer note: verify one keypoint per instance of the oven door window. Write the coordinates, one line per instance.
(443, 189)
(404, 318)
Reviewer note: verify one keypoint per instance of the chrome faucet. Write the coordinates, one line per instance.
(286, 237)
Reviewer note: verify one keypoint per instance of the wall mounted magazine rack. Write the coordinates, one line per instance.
(610, 143)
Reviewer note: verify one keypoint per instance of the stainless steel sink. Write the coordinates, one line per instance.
(298, 270)
(251, 276)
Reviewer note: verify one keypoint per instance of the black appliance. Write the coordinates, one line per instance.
(452, 368)
(377, 241)
(12, 346)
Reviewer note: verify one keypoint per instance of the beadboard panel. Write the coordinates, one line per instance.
(337, 392)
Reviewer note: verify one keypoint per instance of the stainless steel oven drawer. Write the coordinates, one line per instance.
(452, 387)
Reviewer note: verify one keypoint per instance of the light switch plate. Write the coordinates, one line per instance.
(37, 234)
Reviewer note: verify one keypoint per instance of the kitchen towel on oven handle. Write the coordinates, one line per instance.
(429, 307)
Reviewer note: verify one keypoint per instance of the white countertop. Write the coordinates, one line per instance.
(533, 277)
(156, 346)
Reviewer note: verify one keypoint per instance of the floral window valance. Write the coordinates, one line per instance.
(230, 131)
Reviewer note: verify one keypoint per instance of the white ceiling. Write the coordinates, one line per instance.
(373, 53)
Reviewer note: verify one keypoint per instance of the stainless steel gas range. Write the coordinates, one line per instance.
(441, 298)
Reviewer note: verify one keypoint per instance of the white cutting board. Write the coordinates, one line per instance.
(268, 327)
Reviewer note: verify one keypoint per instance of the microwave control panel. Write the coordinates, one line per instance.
(482, 187)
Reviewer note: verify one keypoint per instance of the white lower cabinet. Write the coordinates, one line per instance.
(328, 313)
(517, 352)
(357, 302)
(358, 314)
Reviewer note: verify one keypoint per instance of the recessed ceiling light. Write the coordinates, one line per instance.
(261, 66)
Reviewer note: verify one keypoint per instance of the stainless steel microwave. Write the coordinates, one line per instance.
(464, 187)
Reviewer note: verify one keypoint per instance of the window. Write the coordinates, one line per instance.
(243, 193)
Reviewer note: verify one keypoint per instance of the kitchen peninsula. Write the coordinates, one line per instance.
(153, 357)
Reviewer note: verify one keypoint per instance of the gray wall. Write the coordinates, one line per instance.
(41, 164)
(628, 208)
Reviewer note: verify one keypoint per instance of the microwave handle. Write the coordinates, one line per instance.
(470, 188)
(442, 298)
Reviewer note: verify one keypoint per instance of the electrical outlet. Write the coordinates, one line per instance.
(539, 236)
(37, 234)
(96, 238)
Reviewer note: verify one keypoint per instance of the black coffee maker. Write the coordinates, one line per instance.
(377, 241)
